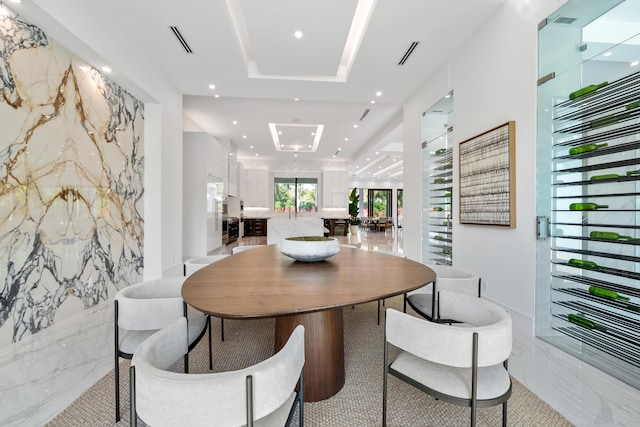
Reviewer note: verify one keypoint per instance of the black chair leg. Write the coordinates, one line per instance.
(378, 312)
(222, 328)
(116, 376)
(133, 417)
(210, 354)
(504, 414)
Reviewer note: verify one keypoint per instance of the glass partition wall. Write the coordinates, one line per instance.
(437, 182)
(588, 167)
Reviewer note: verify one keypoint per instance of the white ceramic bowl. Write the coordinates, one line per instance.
(307, 250)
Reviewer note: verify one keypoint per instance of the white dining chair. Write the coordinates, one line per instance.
(194, 264)
(142, 309)
(424, 301)
(464, 365)
(262, 394)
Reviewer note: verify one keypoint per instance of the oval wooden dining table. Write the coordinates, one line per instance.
(262, 282)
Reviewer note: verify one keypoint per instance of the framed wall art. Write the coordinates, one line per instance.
(487, 177)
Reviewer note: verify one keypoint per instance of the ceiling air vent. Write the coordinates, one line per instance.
(364, 114)
(181, 39)
(564, 20)
(408, 53)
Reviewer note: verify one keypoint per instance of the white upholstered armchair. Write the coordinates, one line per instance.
(465, 365)
(262, 395)
(141, 310)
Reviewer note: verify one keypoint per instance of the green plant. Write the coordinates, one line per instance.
(354, 208)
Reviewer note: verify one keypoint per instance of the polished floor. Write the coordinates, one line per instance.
(389, 240)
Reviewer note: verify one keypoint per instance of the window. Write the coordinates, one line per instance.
(379, 203)
(295, 195)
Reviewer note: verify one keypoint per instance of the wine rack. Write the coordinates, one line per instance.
(440, 196)
(597, 252)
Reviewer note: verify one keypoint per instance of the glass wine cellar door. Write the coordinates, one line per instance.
(588, 164)
(437, 182)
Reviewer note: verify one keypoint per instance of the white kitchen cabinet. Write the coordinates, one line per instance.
(256, 188)
(335, 189)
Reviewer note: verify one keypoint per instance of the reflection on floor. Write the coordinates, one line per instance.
(388, 241)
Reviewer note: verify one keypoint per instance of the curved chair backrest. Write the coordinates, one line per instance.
(165, 398)
(150, 305)
(194, 264)
(456, 280)
(453, 345)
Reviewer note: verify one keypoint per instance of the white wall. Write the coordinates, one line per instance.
(494, 80)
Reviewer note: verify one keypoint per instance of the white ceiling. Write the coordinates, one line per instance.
(246, 48)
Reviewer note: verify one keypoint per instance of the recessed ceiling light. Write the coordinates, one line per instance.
(295, 154)
(16, 1)
(235, 122)
(378, 93)
(296, 99)
(298, 34)
(373, 102)
(216, 96)
(634, 63)
(106, 69)
(256, 154)
(244, 136)
(251, 146)
(607, 54)
(212, 86)
(377, 152)
(346, 139)
(355, 126)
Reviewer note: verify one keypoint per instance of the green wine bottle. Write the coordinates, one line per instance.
(436, 237)
(606, 293)
(586, 206)
(447, 194)
(585, 323)
(438, 180)
(605, 176)
(633, 172)
(447, 223)
(589, 265)
(438, 209)
(446, 251)
(607, 120)
(585, 148)
(633, 308)
(608, 235)
(586, 90)
(440, 151)
(632, 105)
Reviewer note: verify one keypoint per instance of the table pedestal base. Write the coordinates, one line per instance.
(324, 350)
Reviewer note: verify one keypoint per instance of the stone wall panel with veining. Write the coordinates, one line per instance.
(71, 183)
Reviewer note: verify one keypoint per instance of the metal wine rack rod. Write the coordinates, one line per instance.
(612, 90)
(597, 137)
(622, 289)
(604, 343)
(593, 124)
(606, 270)
(619, 148)
(587, 224)
(619, 325)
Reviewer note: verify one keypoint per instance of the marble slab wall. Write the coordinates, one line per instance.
(71, 183)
